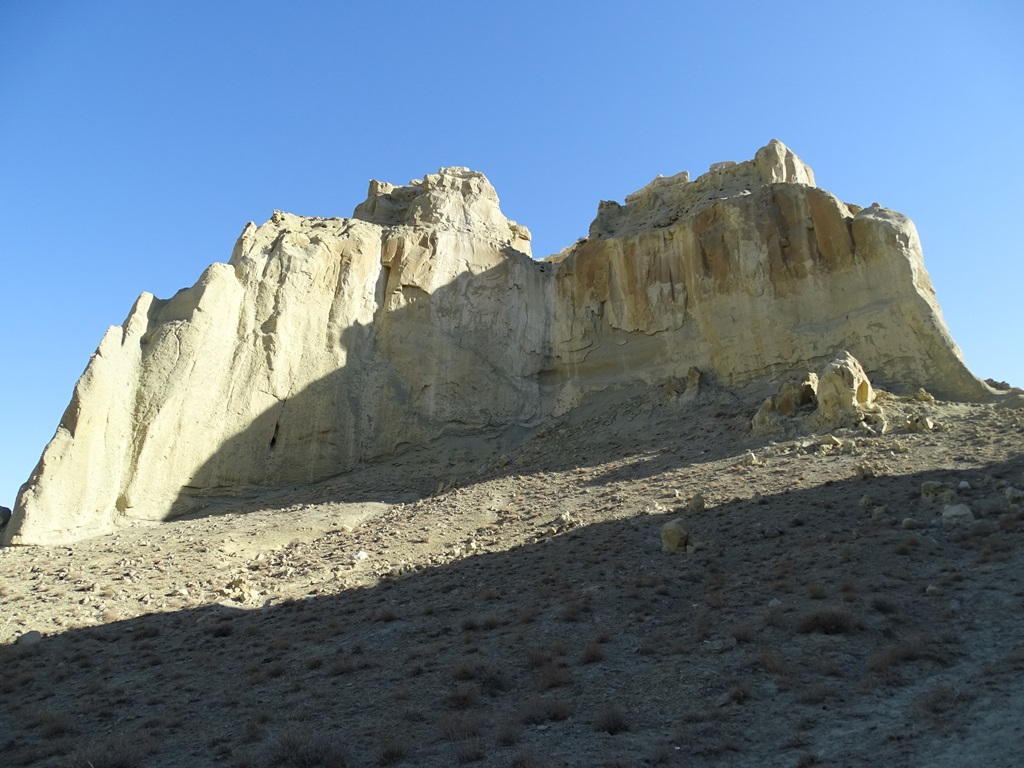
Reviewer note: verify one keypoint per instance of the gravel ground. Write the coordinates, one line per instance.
(504, 600)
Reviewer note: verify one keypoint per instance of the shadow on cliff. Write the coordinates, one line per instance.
(567, 622)
(347, 444)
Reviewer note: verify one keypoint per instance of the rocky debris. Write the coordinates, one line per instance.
(841, 396)
(919, 423)
(324, 343)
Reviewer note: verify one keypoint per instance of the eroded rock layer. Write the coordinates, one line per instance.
(326, 342)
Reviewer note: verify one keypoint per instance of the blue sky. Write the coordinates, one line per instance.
(137, 139)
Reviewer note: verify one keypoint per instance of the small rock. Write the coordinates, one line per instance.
(720, 645)
(696, 504)
(956, 514)
(1014, 495)
(910, 523)
(880, 512)
(32, 637)
(774, 603)
(919, 423)
(964, 486)
(922, 396)
(864, 471)
(931, 590)
(675, 536)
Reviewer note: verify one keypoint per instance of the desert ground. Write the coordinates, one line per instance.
(504, 600)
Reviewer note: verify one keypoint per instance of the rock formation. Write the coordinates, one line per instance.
(326, 342)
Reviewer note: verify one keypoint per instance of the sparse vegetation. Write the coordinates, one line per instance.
(829, 620)
(506, 656)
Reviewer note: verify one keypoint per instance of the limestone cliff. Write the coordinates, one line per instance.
(325, 342)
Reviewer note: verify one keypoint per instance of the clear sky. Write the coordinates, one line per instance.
(138, 138)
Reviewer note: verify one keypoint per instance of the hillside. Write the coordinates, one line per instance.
(503, 599)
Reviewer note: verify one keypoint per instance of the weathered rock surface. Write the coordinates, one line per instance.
(326, 342)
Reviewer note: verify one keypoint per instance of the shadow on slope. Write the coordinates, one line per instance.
(669, 429)
(591, 647)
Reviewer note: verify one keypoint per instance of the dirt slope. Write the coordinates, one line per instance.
(505, 601)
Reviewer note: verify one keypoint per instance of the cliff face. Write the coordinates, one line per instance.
(324, 342)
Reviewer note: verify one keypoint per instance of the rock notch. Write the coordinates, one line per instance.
(326, 342)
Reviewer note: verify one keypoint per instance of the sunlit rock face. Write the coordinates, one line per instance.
(326, 342)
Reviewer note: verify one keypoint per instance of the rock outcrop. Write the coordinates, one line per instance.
(326, 342)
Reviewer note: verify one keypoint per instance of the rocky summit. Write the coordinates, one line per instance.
(326, 343)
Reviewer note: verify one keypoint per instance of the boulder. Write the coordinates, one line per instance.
(323, 343)
(675, 536)
(844, 393)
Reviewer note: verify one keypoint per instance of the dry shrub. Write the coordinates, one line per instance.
(883, 605)
(508, 734)
(466, 671)
(739, 693)
(459, 727)
(743, 632)
(772, 615)
(537, 710)
(592, 652)
(526, 760)
(553, 675)
(942, 699)
(914, 648)
(817, 591)
(905, 547)
(773, 664)
(702, 626)
(305, 750)
(830, 620)
(393, 749)
(463, 697)
(119, 752)
(538, 657)
(611, 719)
(471, 751)
(494, 681)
